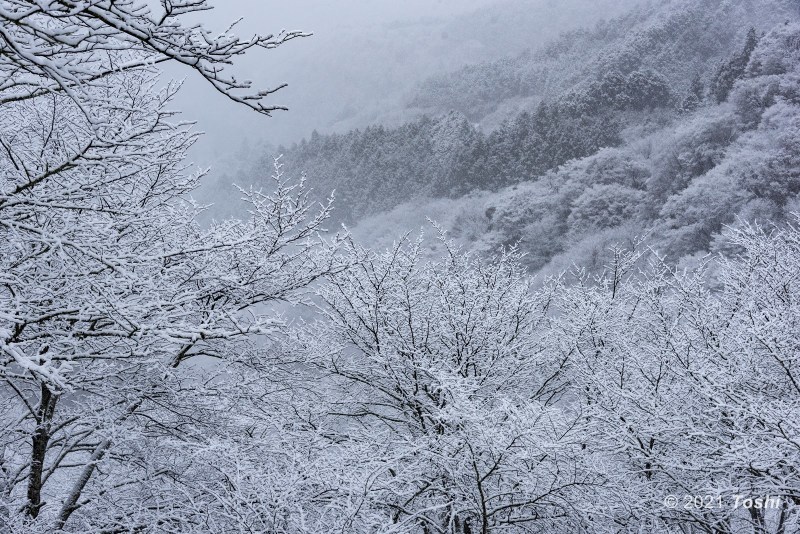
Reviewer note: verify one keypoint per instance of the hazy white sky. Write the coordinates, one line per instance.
(315, 68)
(324, 15)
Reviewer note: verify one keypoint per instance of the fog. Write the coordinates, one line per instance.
(316, 69)
(362, 60)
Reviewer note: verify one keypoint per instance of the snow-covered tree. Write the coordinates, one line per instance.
(733, 69)
(453, 397)
(110, 291)
(441, 399)
(687, 386)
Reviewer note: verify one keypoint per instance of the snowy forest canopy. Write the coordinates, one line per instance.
(600, 336)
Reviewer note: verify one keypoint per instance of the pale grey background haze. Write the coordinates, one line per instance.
(364, 60)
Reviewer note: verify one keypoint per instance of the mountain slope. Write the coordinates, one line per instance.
(672, 119)
(680, 184)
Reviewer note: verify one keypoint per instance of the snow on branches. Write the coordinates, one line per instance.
(66, 46)
(109, 287)
(452, 397)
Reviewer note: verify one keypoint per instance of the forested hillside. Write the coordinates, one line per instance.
(618, 128)
(680, 40)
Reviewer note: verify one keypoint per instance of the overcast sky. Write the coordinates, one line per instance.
(323, 15)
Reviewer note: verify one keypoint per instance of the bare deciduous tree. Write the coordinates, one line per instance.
(110, 289)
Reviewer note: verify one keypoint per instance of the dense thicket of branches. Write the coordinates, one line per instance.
(146, 384)
(109, 288)
(451, 397)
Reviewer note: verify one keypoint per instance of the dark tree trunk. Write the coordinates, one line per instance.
(39, 443)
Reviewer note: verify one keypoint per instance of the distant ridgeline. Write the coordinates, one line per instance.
(676, 117)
